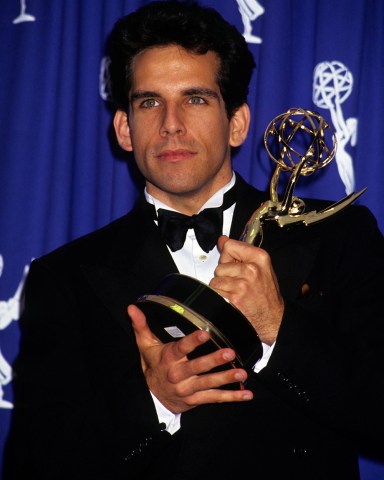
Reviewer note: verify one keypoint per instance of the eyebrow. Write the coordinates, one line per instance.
(143, 94)
(207, 92)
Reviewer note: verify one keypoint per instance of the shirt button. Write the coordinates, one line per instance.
(203, 258)
(300, 451)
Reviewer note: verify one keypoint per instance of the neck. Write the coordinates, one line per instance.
(190, 203)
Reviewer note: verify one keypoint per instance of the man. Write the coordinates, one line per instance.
(99, 396)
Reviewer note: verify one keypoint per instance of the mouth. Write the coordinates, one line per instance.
(175, 155)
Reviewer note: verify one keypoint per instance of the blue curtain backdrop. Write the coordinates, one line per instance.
(61, 175)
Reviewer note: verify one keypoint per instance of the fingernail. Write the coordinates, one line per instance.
(247, 396)
(203, 336)
(228, 356)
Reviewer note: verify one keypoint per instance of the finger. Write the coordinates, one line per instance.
(202, 365)
(188, 387)
(218, 395)
(237, 251)
(223, 378)
(223, 396)
(186, 345)
(233, 269)
(216, 379)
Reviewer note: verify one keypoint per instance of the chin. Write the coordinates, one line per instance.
(180, 184)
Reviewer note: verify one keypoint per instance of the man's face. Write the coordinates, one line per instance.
(178, 127)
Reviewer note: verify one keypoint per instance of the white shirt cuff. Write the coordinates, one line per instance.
(171, 420)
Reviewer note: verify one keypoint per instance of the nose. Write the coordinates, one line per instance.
(172, 122)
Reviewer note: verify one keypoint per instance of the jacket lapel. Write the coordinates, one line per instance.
(136, 262)
(293, 251)
(293, 261)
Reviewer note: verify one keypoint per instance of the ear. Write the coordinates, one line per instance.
(123, 133)
(239, 125)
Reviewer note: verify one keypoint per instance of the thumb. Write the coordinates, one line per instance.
(228, 254)
(222, 240)
(143, 334)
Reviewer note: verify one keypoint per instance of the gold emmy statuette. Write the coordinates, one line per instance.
(299, 142)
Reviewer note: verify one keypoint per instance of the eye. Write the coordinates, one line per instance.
(149, 103)
(197, 100)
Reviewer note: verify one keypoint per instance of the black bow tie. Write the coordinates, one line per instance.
(208, 225)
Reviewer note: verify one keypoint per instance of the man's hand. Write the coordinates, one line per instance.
(179, 383)
(246, 278)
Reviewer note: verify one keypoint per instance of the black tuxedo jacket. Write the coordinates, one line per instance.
(82, 406)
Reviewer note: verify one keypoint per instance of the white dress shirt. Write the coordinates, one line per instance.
(193, 261)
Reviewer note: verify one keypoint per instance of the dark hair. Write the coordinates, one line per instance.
(197, 29)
